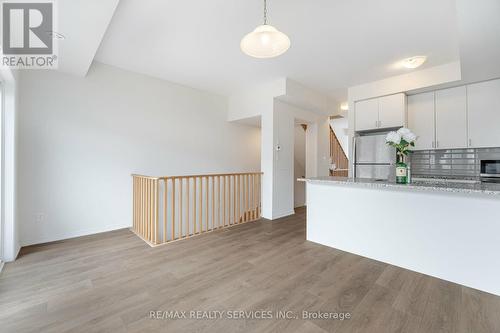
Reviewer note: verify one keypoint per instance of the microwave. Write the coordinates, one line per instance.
(490, 171)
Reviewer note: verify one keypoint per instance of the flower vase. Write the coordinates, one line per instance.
(401, 170)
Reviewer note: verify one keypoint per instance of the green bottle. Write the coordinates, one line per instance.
(401, 170)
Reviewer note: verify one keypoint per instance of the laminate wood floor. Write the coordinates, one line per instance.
(110, 282)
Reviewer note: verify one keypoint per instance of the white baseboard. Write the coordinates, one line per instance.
(72, 234)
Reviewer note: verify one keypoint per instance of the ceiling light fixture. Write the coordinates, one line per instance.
(265, 41)
(414, 62)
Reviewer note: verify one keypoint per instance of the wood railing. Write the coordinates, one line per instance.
(338, 157)
(167, 209)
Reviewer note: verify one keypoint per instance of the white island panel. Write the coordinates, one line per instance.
(452, 236)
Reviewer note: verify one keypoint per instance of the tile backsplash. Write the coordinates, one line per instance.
(451, 163)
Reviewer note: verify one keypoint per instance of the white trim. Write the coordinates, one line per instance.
(10, 229)
(2, 149)
(74, 233)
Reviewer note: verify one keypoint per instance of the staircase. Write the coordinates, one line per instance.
(338, 158)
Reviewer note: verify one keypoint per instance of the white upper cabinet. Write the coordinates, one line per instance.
(378, 113)
(483, 100)
(366, 116)
(391, 111)
(421, 119)
(451, 118)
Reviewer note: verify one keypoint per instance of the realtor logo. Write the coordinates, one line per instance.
(27, 35)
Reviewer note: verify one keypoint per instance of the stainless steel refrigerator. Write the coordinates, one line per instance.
(373, 157)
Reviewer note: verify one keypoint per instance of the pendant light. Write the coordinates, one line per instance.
(265, 41)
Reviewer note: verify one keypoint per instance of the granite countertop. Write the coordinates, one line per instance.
(423, 185)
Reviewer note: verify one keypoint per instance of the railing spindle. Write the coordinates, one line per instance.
(157, 207)
(224, 200)
(213, 202)
(206, 197)
(148, 211)
(233, 182)
(250, 179)
(181, 210)
(188, 205)
(246, 197)
(141, 222)
(194, 205)
(218, 202)
(173, 209)
(164, 236)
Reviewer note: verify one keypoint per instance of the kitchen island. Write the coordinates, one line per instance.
(449, 230)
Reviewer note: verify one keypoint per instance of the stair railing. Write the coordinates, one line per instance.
(167, 209)
(337, 157)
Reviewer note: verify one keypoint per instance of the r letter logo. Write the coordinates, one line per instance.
(27, 35)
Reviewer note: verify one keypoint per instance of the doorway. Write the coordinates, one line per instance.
(299, 164)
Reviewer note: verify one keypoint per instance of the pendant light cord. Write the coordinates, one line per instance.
(265, 12)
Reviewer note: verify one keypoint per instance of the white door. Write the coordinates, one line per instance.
(391, 111)
(483, 100)
(366, 114)
(451, 118)
(421, 119)
(1, 176)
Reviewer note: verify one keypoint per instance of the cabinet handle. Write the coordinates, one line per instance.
(380, 123)
(376, 123)
(470, 142)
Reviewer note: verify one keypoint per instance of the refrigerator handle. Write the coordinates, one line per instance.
(354, 156)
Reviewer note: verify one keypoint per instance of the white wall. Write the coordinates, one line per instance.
(478, 25)
(81, 138)
(256, 101)
(277, 104)
(309, 99)
(318, 148)
(299, 169)
(401, 83)
(10, 230)
(283, 183)
(317, 152)
(267, 163)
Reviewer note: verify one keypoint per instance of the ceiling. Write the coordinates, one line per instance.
(83, 24)
(479, 33)
(335, 43)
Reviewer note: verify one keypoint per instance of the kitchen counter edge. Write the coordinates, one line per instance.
(438, 186)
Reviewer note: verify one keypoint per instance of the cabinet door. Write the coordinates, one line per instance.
(421, 119)
(366, 114)
(451, 118)
(391, 111)
(483, 100)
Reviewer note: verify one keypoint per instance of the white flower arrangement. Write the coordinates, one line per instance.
(402, 140)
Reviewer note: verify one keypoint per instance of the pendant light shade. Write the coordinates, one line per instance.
(265, 41)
